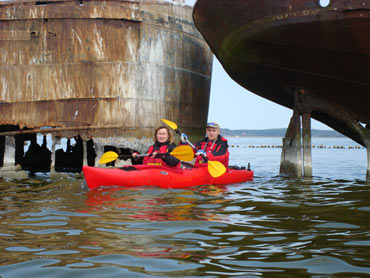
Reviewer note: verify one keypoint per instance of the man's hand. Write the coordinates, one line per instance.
(202, 153)
(184, 138)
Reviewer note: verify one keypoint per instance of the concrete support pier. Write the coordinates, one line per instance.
(368, 165)
(306, 140)
(291, 155)
(56, 140)
(296, 156)
(9, 153)
(10, 169)
(2, 148)
(99, 150)
(84, 163)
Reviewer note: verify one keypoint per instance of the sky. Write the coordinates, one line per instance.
(234, 107)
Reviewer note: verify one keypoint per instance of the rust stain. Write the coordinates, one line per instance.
(15, 35)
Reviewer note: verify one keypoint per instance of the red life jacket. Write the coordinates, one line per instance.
(209, 147)
(149, 160)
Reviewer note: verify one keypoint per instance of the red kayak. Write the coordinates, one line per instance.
(153, 175)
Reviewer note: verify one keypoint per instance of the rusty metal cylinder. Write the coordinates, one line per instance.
(102, 68)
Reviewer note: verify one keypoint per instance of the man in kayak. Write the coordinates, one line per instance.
(213, 146)
(159, 152)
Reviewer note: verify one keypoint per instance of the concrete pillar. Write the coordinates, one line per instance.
(52, 166)
(9, 168)
(9, 153)
(19, 148)
(307, 155)
(368, 164)
(2, 150)
(56, 140)
(84, 163)
(291, 155)
(99, 150)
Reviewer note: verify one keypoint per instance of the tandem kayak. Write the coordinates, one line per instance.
(153, 175)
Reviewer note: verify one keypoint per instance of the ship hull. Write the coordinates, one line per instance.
(270, 47)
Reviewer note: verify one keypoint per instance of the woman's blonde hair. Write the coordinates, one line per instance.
(170, 137)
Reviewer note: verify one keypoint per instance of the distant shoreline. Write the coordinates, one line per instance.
(276, 132)
(263, 136)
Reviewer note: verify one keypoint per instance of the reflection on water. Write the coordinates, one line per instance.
(273, 226)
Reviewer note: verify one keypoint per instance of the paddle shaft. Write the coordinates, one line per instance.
(191, 144)
(138, 155)
(215, 168)
(187, 140)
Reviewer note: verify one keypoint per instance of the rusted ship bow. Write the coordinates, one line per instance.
(106, 71)
(301, 54)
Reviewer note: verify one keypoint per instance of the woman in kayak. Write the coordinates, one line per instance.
(159, 152)
(213, 146)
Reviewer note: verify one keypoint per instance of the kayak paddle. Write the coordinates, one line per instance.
(184, 153)
(215, 168)
(108, 157)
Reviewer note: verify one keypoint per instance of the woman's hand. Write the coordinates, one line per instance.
(159, 155)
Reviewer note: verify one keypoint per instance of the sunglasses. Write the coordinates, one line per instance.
(212, 125)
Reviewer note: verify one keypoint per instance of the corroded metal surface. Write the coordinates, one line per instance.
(102, 68)
(275, 47)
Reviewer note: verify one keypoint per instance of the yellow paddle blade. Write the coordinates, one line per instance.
(108, 157)
(216, 168)
(170, 124)
(184, 153)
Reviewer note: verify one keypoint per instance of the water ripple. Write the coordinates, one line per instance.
(271, 227)
(316, 265)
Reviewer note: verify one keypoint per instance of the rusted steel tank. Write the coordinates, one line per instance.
(274, 48)
(102, 68)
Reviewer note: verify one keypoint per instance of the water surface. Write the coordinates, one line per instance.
(270, 227)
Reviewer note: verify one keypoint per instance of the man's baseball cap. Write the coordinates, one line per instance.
(213, 124)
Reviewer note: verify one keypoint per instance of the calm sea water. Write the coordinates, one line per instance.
(270, 227)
